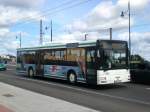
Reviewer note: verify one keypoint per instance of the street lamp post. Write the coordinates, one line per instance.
(122, 15)
(51, 28)
(20, 40)
(51, 31)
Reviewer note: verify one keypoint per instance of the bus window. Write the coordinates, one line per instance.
(73, 54)
(91, 59)
(57, 55)
(63, 55)
(90, 56)
(29, 57)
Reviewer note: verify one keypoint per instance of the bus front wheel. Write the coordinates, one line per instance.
(72, 78)
(30, 72)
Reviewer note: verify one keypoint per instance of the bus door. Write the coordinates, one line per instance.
(91, 66)
(39, 63)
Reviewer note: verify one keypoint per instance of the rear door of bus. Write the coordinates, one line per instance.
(39, 63)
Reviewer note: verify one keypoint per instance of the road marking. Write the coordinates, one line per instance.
(148, 88)
(9, 69)
(11, 64)
(91, 92)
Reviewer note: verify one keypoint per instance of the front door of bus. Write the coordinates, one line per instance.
(91, 66)
(39, 63)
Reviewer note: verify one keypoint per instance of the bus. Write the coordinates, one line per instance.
(96, 62)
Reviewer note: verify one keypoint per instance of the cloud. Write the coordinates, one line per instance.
(140, 43)
(8, 43)
(12, 15)
(107, 15)
(135, 4)
(12, 12)
(21, 3)
(3, 32)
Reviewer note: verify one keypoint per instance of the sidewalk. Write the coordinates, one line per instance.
(4, 109)
(14, 99)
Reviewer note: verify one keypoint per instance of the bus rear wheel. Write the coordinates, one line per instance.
(72, 78)
(30, 72)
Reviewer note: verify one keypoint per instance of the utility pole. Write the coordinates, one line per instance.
(51, 28)
(19, 37)
(85, 37)
(41, 33)
(129, 36)
(110, 33)
(129, 29)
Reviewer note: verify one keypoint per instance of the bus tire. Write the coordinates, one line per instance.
(72, 78)
(30, 72)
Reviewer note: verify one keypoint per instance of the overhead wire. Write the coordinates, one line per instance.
(55, 10)
(46, 10)
(64, 6)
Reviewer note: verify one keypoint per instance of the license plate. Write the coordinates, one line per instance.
(117, 81)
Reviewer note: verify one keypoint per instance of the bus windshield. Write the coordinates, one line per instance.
(114, 55)
(114, 59)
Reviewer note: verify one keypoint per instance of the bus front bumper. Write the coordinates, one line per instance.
(112, 76)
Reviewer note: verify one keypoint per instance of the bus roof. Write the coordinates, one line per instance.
(65, 45)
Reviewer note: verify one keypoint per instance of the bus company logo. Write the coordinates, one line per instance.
(54, 68)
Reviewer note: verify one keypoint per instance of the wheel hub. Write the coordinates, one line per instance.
(72, 78)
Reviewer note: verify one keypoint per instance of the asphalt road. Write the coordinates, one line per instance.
(120, 98)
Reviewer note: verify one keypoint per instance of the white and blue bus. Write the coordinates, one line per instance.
(93, 62)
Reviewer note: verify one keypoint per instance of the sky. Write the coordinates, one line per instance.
(71, 20)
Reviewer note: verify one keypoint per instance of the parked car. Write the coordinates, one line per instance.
(3, 66)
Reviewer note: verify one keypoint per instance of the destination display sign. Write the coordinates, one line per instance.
(72, 45)
(113, 45)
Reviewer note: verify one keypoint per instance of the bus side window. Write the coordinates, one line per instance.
(63, 55)
(90, 56)
(99, 57)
